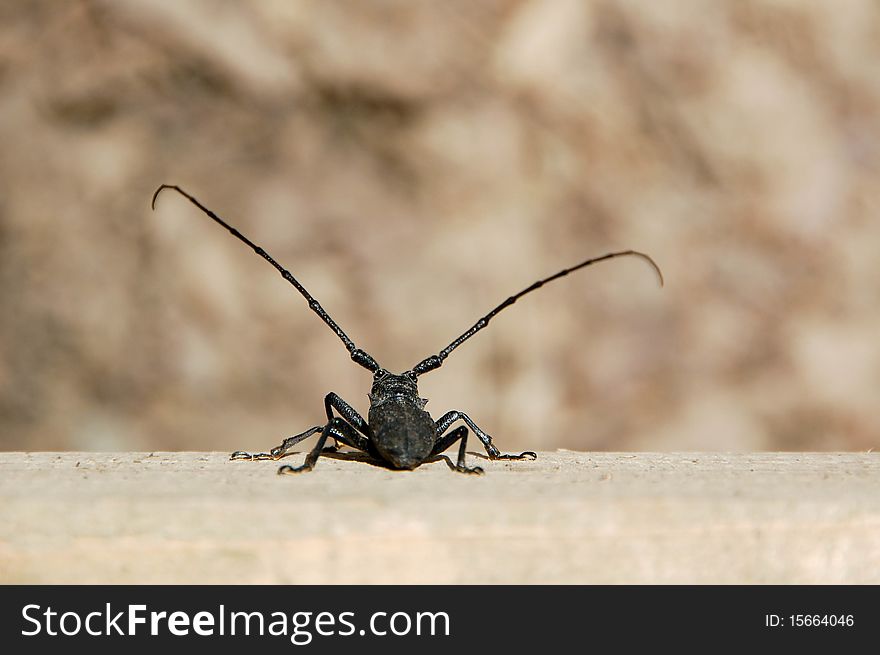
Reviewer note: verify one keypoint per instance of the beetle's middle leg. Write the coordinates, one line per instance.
(449, 418)
(344, 429)
(338, 429)
(331, 401)
(445, 442)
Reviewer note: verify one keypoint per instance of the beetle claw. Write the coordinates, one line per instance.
(529, 454)
(291, 470)
(240, 455)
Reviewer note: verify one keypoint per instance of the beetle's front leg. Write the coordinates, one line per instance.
(278, 451)
(449, 418)
(346, 411)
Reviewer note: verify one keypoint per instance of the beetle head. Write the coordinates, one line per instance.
(387, 385)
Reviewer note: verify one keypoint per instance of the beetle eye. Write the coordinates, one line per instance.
(381, 373)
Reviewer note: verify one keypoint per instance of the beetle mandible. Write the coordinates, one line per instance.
(399, 431)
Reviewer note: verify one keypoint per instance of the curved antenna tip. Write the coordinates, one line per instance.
(653, 264)
(157, 192)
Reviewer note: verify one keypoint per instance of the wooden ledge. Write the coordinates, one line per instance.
(568, 517)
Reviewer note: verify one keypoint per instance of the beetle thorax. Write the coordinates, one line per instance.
(388, 386)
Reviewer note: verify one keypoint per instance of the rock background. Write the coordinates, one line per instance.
(414, 163)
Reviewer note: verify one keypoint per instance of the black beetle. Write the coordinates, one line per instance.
(399, 432)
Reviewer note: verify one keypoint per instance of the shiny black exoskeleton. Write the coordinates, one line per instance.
(399, 431)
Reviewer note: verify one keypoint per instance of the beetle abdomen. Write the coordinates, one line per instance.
(402, 433)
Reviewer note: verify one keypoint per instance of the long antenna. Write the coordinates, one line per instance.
(436, 361)
(357, 355)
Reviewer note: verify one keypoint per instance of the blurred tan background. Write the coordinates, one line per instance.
(414, 163)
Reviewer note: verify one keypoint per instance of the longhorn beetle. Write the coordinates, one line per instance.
(399, 431)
